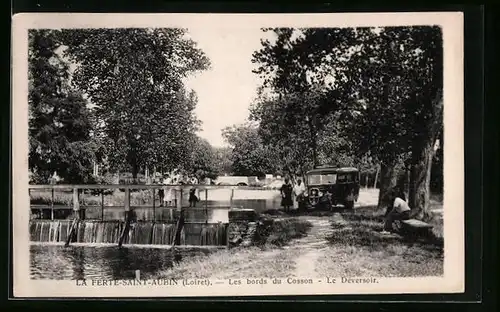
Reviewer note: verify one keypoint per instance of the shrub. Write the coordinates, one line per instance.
(280, 232)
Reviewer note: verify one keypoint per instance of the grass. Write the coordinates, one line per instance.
(266, 259)
(234, 263)
(357, 249)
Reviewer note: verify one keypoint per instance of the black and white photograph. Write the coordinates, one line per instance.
(225, 154)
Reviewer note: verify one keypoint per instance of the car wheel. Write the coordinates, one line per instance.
(349, 204)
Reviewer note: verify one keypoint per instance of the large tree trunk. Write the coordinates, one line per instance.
(407, 181)
(420, 178)
(388, 181)
(423, 150)
(404, 181)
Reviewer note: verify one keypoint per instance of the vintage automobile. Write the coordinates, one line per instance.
(328, 186)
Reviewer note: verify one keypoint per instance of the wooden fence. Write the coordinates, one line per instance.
(179, 193)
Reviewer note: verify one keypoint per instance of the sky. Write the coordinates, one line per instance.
(225, 91)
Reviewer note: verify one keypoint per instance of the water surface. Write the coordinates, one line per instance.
(57, 262)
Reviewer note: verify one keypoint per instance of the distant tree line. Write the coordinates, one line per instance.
(115, 97)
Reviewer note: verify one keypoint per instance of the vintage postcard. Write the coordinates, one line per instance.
(167, 155)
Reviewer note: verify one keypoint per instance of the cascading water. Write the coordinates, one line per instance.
(163, 234)
(205, 234)
(141, 233)
(99, 231)
(49, 231)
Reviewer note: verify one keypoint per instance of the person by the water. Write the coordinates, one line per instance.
(161, 191)
(286, 195)
(168, 191)
(193, 199)
(299, 189)
(398, 210)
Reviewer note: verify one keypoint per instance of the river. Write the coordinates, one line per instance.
(56, 262)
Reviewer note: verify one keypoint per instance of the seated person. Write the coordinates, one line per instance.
(399, 210)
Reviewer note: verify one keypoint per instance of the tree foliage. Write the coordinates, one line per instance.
(134, 77)
(203, 160)
(59, 120)
(249, 155)
(223, 158)
(347, 94)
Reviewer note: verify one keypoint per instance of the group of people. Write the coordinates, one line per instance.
(292, 195)
(166, 194)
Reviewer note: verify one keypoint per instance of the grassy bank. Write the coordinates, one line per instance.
(280, 232)
(265, 259)
(358, 249)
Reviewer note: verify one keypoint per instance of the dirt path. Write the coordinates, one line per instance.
(312, 245)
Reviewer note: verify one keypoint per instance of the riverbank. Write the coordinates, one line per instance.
(342, 243)
(268, 253)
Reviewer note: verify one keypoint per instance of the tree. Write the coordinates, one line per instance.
(59, 119)
(223, 159)
(203, 162)
(248, 154)
(382, 89)
(134, 77)
(289, 141)
(427, 105)
(401, 81)
(378, 89)
(305, 96)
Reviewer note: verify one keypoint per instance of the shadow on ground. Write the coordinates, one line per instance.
(362, 228)
(357, 248)
(313, 213)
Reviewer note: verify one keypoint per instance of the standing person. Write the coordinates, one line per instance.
(286, 195)
(161, 191)
(168, 190)
(299, 189)
(399, 210)
(193, 199)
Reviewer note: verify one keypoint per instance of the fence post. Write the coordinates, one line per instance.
(154, 206)
(231, 199)
(52, 206)
(206, 205)
(102, 205)
(76, 203)
(77, 216)
(126, 227)
(179, 199)
(227, 235)
(127, 200)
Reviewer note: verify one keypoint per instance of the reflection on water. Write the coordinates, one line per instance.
(109, 262)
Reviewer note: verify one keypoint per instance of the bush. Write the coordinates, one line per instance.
(280, 232)
(105, 179)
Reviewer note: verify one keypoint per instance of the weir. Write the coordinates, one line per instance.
(140, 233)
(131, 223)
